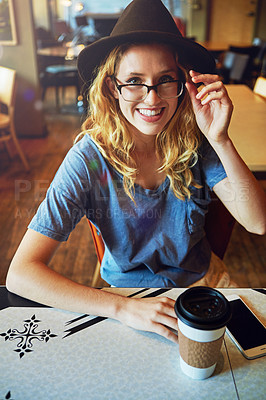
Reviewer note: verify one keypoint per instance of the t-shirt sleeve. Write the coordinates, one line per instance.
(211, 166)
(66, 200)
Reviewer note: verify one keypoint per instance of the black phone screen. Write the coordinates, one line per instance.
(245, 327)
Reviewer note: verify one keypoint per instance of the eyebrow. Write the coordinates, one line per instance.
(160, 73)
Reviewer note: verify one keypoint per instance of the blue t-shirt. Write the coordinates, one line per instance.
(157, 242)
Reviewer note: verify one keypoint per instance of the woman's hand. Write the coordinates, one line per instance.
(150, 314)
(212, 106)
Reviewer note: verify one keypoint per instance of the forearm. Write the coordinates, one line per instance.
(29, 276)
(38, 282)
(241, 192)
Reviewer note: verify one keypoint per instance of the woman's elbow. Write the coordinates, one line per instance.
(11, 282)
(259, 229)
(12, 279)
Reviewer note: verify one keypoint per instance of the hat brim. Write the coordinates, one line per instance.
(191, 55)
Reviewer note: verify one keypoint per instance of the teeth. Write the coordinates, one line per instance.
(150, 113)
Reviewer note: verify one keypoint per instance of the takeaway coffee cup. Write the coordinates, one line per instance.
(202, 317)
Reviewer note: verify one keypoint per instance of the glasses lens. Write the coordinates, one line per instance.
(134, 92)
(166, 90)
(169, 90)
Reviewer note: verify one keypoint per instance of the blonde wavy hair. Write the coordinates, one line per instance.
(176, 145)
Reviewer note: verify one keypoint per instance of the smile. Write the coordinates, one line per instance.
(150, 113)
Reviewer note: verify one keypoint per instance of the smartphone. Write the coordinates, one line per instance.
(245, 329)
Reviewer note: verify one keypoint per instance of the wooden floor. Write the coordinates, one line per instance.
(22, 192)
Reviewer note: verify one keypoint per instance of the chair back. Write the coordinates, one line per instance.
(260, 86)
(228, 60)
(7, 83)
(98, 241)
(219, 224)
(239, 67)
(234, 66)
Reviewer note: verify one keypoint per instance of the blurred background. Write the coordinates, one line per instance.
(41, 39)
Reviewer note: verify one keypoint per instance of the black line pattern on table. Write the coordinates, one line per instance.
(156, 293)
(85, 325)
(25, 338)
(96, 320)
(87, 315)
(76, 319)
(263, 291)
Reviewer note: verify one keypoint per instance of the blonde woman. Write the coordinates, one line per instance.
(141, 171)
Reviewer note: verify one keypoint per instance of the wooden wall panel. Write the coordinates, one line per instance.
(232, 21)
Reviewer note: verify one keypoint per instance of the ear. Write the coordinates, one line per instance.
(111, 86)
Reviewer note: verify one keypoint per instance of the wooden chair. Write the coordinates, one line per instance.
(55, 72)
(60, 76)
(260, 86)
(7, 102)
(233, 67)
(239, 68)
(99, 248)
(219, 224)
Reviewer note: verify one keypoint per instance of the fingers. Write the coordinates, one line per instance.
(192, 91)
(204, 78)
(212, 88)
(161, 310)
(153, 315)
(163, 317)
(165, 332)
(164, 313)
(213, 91)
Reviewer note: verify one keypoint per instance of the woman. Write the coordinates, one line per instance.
(152, 147)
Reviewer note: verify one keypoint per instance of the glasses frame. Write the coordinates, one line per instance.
(149, 88)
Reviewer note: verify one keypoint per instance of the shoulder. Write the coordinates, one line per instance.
(83, 158)
(75, 169)
(85, 149)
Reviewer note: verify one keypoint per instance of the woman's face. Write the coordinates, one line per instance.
(148, 64)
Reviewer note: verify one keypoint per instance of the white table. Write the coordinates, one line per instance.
(98, 358)
(248, 126)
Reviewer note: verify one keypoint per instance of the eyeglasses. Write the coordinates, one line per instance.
(139, 91)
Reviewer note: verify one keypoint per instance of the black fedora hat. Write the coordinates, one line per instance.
(145, 20)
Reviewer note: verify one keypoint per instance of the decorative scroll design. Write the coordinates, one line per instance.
(27, 336)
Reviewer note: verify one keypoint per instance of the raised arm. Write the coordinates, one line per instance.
(29, 276)
(240, 191)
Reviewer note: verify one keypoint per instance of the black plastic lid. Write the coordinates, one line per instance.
(203, 308)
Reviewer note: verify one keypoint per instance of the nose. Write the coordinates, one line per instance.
(152, 97)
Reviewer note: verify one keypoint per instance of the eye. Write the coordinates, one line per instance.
(166, 78)
(134, 80)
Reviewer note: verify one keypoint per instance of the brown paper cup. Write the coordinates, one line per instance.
(202, 316)
(199, 352)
